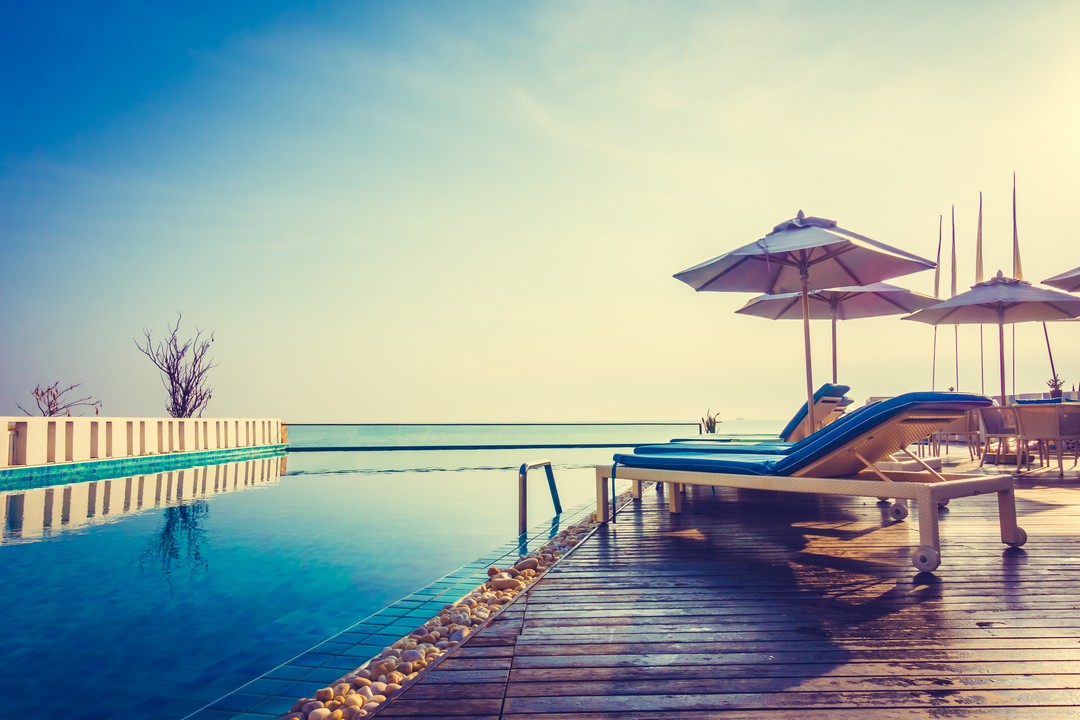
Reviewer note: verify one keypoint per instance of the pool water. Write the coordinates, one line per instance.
(154, 596)
(150, 597)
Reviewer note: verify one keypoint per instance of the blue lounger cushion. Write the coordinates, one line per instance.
(1044, 401)
(740, 464)
(679, 446)
(801, 454)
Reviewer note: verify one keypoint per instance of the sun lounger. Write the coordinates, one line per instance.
(759, 447)
(829, 404)
(837, 461)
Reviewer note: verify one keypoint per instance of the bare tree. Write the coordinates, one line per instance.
(184, 365)
(51, 401)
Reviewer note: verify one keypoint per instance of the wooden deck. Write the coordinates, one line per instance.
(765, 606)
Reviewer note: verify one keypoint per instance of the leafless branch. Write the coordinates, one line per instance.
(51, 401)
(183, 365)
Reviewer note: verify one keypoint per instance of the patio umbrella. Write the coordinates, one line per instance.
(842, 303)
(1069, 281)
(800, 255)
(1001, 300)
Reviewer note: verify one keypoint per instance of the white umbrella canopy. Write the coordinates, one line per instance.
(1001, 301)
(809, 252)
(842, 303)
(803, 254)
(1069, 281)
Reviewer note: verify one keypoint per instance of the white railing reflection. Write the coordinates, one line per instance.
(38, 513)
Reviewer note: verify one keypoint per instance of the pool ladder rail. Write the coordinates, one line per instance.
(523, 495)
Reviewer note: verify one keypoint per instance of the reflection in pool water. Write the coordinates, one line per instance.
(179, 541)
(38, 513)
(157, 594)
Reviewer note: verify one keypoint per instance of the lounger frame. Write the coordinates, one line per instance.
(927, 491)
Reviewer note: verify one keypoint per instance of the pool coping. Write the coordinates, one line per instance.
(35, 476)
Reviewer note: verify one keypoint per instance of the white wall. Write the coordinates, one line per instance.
(43, 440)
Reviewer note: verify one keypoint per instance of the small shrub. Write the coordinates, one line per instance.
(710, 421)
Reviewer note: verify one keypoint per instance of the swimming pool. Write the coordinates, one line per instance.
(225, 572)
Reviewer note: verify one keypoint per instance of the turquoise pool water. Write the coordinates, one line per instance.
(154, 611)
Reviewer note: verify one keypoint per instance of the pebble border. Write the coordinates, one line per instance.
(363, 691)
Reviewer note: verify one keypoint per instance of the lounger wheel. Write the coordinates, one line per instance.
(898, 511)
(1021, 538)
(926, 558)
(943, 503)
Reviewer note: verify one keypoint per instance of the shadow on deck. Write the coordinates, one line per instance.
(765, 605)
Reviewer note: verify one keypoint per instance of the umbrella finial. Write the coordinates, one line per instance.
(1001, 279)
(802, 220)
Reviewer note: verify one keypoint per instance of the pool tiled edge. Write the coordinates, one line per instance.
(273, 693)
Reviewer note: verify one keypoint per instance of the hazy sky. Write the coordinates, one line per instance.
(453, 211)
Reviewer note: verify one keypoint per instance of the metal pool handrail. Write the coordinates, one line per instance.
(523, 477)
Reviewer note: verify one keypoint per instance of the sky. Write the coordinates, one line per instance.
(472, 211)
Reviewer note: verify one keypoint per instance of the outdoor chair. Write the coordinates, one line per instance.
(999, 423)
(840, 459)
(1038, 426)
(1069, 424)
(965, 429)
(1060, 426)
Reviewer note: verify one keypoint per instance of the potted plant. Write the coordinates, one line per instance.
(1055, 384)
(710, 421)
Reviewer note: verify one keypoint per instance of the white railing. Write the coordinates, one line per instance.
(47, 440)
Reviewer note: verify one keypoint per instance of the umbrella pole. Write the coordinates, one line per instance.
(956, 353)
(806, 348)
(982, 363)
(834, 346)
(1053, 372)
(933, 363)
(1014, 358)
(1001, 358)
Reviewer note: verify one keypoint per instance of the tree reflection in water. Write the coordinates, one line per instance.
(179, 541)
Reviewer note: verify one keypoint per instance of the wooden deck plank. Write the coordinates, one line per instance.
(466, 677)
(773, 606)
(946, 697)
(735, 671)
(878, 713)
(836, 655)
(760, 686)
